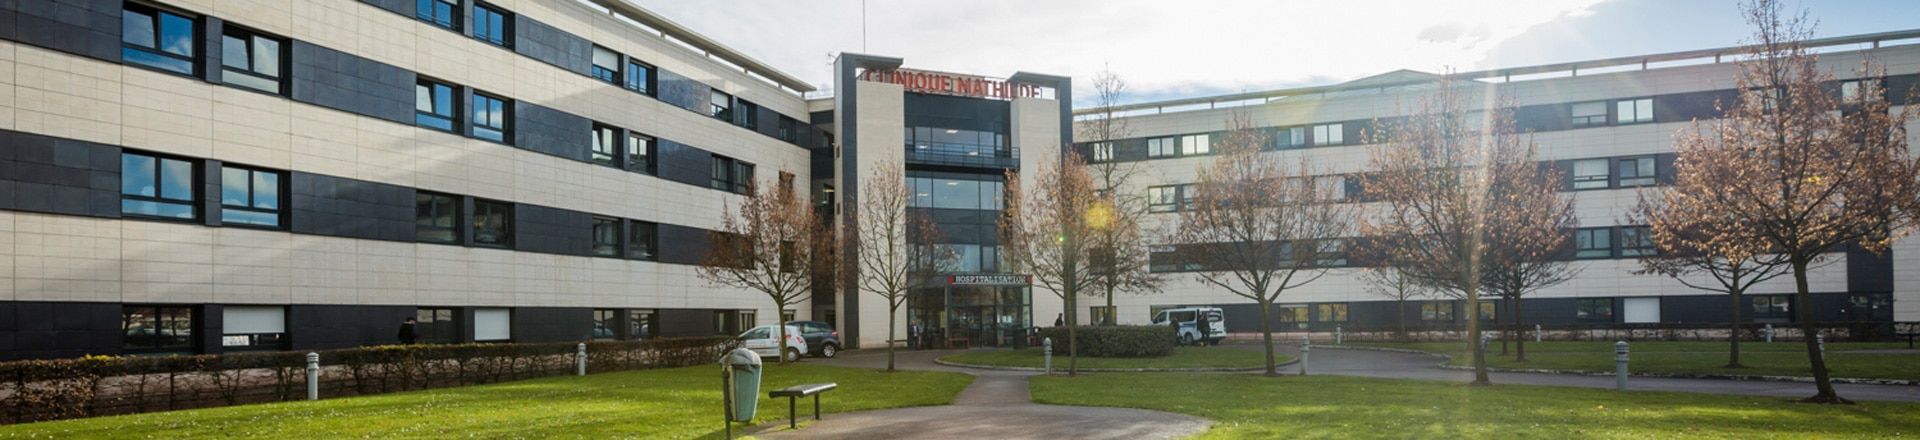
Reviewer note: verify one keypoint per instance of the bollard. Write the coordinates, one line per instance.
(1536, 333)
(1339, 336)
(1821, 340)
(1306, 348)
(580, 360)
(1769, 333)
(1049, 354)
(1485, 338)
(1620, 365)
(313, 376)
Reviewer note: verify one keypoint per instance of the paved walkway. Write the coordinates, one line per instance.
(996, 406)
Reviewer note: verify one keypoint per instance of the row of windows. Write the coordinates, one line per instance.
(956, 193)
(623, 149)
(731, 175)
(1201, 144)
(1324, 253)
(1614, 173)
(436, 106)
(1179, 197)
(1635, 241)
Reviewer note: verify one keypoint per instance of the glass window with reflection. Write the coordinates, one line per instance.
(249, 197)
(251, 60)
(157, 329)
(1593, 309)
(606, 65)
(722, 106)
(606, 237)
(1636, 171)
(639, 78)
(153, 186)
(643, 324)
(1593, 243)
(1590, 174)
(606, 324)
(639, 153)
(1588, 114)
(433, 105)
(1632, 111)
(436, 217)
(492, 223)
(491, 25)
(1636, 241)
(1195, 145)
(641, 239)
(1163, 147)
(1102, 152)
(1162, 198)
(606, 146)
(1861, 90)
(155, 38)
(490, 118)
(442, 13)
(1329, 134)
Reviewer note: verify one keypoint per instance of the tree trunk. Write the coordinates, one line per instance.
(1733, 339)
(893, 312)
(1116, 314)
(1506, 329)
(1266, 331)
(782, 355)
(1519, 339)
(1473, 337)
(1073, 349)
(1403, 320)
(1821, 381)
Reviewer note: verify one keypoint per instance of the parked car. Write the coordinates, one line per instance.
(821, 336)
(1189, 320)
(765, 340)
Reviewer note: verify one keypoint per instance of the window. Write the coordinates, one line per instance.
(639, 153)
(1634, 110)
(436, 217)
(1291, 137)
(1294, 315)
(641, 239)
(606, 65)
(1329, 134)
(252, 327)
(1187, 192)
(251, 60)
(606, 237)
(249, 197)
(491, 25)
(490, 117)
(442, 13)
(152, 186)
(1593, 243)
(747, 320)
(1772, 308)
(1636, 171)
(1590, 173)
(606, 147)
(1331, 253)
(1588, 114)
(492, 223)
(1102, 315)
(1861, 91)
(492, 325)
(1436, 311)
(1162, 147)
(158, 39)
(731, 175)
(151, 329)
(642, 324)
(748, 116)
(436, 325)
(786, 315)
(606, 323)
(1331, 312)
(1636, 241)
(433, 105)
(722, 106)
(1593, 309)
(1869, 307)
(1102, 151)
(1194, 145)
(639, 78)
(1162, 198)
(1488, 310)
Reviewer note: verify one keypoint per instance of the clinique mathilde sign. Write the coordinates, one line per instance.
(989, 280)
(950, 84)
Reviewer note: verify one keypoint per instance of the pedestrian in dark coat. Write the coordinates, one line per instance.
(407, 335)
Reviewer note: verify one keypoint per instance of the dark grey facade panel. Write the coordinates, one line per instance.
(551, 45)
(552, 230)
(681, 244)
(924, 110)
(342, 207)
(551, 132)
(1683, 107)
(1543, 117)
(682, 92)
(44, 330)
(319, 327)
(684, 163)
(89, 28)
(402, 7)
(552, 324)
(343, 81)
(59, 176)
(1869, 272)
(683, 323)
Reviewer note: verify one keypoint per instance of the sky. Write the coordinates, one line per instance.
(1192, 48)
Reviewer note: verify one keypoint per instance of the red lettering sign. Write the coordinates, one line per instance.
(952, 84)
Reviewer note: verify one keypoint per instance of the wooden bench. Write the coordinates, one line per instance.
(798, 391)
(964, 343)
(1909, 337)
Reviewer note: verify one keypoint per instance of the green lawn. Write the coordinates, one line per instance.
(1761, 359)
(672, 403)
(1340, 407)
(1183, 357)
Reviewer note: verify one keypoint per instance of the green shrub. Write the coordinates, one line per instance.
(1115, 341)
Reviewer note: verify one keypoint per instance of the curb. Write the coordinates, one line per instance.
(1742, 377)
(1115, 370)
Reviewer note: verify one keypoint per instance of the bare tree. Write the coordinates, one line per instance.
(1390, 282)
(1122, 255)
(1459, 191)
(770, 243)
(888, 245)
(1259, 224)
(1514, 275)
(1049, 233)
(1807, 170)
(1683, 249)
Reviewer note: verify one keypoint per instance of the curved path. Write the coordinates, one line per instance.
(995, 406)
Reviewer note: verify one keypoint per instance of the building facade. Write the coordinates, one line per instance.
(1607, 125)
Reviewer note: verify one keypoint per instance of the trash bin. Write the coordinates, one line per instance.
(745, 385)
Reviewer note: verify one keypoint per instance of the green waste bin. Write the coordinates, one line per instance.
(744, 383)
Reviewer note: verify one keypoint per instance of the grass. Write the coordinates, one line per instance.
(1183, 357)
(671, 403)
(1761, 359)
(1340, 407)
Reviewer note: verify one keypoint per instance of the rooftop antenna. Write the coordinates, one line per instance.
(863, 26)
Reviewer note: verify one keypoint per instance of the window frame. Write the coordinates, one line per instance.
(1196, 144)
(720, 105)
(640, 153)
(483, 210)
(1593, 243)
(252, 39)
(1637, 241)
(1338, 312)
(1166, 146)
(607, 74)
(432, 17)
(1163, 198)
(1638, 105)
(453, 232)
(1778, 308)
(643, 241)
(1329, 134)
(140, 54)
(608, 146)
(441, 325)
(643, 85)
(642, 324)
(451, 114)
(1588, 120)
(1100, 152)
(1648, 164)
(485, 33)
(1593, 310)
(161, 197)
(1876, 90)
(1437, 311)
(1591, 181)
(603, 245)
(187, 344)
(504, 130)
(278, 211)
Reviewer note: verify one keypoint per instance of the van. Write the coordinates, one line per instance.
(1189, 319)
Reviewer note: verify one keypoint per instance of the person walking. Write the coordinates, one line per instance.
(1060, 320)
(407, 335)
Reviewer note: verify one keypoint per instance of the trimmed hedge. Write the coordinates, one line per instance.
(1130, 341)
(102, 385)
